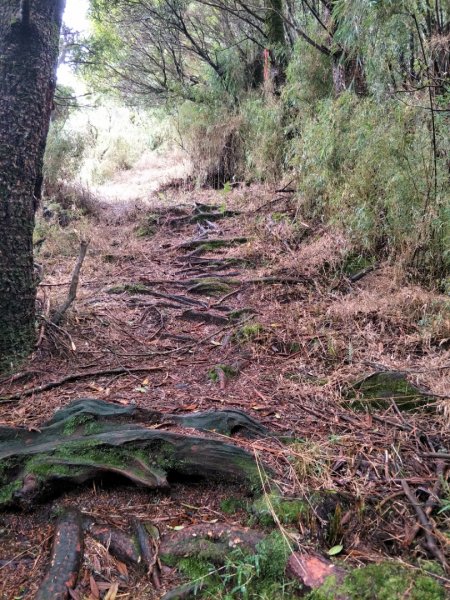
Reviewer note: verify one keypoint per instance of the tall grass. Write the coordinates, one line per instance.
(367, 167)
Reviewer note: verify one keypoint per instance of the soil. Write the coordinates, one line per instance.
(287, 361)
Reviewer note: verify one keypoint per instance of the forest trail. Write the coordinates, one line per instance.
(240, 308)
(145, 177)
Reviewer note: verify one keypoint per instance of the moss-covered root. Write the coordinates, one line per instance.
(384, 581)
(208, 542)
(66, 556)
(378, 389)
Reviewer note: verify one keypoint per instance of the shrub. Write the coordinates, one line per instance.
(366, 166)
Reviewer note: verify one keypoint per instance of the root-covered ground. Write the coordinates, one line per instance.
(212, 301)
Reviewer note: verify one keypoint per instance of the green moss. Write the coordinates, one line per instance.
(7, 492)
(227, 370)
(287, 511)
(212, 286)
(244, 575)
(73, 423)
(248, 332)
(148, 227)
(377, 390)
(232, 505)
(384, 581)
(236, 315)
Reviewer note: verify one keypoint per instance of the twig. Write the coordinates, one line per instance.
(74, 377)
(61, 310)
(433, 500)
(425, 524)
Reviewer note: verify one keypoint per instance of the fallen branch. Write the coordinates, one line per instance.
(430, 504)
(61, 310)
(75, 377)
(426, 526)
(66, 556)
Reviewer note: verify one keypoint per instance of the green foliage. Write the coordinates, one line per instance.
(262, 131)
(366, 167)
(244, 576)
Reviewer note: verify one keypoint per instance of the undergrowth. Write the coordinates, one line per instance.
(245, 576)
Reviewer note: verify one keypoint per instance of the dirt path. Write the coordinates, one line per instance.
(250, 311)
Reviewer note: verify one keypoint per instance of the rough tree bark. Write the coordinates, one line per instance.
(29, 40)
(276, 40)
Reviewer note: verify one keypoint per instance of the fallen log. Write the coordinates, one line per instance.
(92, 439)
(66, 556)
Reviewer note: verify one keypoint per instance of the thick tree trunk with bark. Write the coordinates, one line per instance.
(29, 40)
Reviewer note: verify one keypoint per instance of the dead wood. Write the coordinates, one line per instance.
(358, 276)
(275, 279)
(76, 377)
(426, 526)
(66, 556)
(119, 544)
(313, 570)
(148, 539)
(212, 243)
(203, 317)
(187, 591)
(430, 504)
(143, 289)
(88, 439)
(61, 310)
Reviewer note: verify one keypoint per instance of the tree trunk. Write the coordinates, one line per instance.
(276, 40)
(29, 40)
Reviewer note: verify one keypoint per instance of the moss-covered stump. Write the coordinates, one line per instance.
(91, 439)
(384, 581)
(379, 389)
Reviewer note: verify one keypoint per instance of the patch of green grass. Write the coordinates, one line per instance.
(248, 332)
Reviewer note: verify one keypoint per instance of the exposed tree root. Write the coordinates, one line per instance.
(212, 243)
(66, 556)
(75, 377)
(88, 439)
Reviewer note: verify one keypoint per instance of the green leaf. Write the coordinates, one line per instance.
(335, 550)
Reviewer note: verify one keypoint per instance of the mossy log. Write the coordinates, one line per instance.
(91, 438)
(66, 556)
(378, 390)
